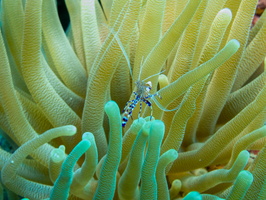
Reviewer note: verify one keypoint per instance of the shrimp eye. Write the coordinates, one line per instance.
(148, 86)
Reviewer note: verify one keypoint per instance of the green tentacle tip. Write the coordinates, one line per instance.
(69, 129)
(243, 157)
(193, 196)
(146, 127)
(241, 185)
(234, 43)
(138, 122)
(244, 154)
(246, 175)
(157, 126)
(87, 136)
(172, 154)
(111, 107)
(226, 11)
(58, 154)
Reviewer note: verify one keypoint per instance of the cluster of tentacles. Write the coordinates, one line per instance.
(62, 93)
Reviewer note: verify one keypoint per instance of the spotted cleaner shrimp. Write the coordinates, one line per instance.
(142, 94)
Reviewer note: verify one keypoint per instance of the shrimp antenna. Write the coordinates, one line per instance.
(115, 34)
(141, 66)
(154, 75)
(161, 106)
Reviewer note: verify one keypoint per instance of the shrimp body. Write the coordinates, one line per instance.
(142, 94)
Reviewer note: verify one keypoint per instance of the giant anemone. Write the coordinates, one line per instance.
(62, 96)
